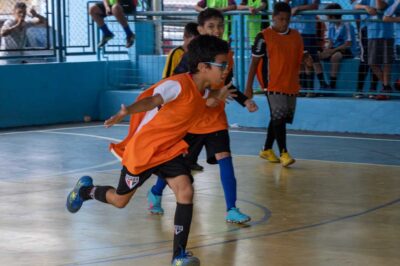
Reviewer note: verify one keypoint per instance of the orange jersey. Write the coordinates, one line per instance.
(161, 138)
(214, 119)
(285, 53)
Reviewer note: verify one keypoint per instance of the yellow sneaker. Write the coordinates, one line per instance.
(269, 155)
(286, 159)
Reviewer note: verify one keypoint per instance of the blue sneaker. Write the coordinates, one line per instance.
(74, 201)
(235, 216)
(154, 202)
(186, 259)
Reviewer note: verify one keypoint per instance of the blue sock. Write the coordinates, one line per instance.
(158, 188)
(228, 181)
(105, 30)
(128, 31)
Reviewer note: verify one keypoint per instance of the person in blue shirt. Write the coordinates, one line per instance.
(363, 67)
(340, 43)
(308, 31)
(380, 42)
(392, 14)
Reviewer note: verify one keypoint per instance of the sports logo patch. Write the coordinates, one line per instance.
(178, 229)
(131, 181)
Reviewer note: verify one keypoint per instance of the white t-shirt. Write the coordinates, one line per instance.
(16, 39)
(169, 91)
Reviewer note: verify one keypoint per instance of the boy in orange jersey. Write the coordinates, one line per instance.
(211, 131)
(174, 106)
(284, 48)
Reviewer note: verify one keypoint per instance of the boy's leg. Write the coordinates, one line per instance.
(120, 197)
(98, 13)
(118, 13)
(218, 148)
(183, 190)
(336, 58)
(282, 109)
(154, 196)
(268, 153)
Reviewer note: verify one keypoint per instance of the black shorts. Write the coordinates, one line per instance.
(127, 6)
(215, 142)
(282, 107)
(380, 51)
(173, 168)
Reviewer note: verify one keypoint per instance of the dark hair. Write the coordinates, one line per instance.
(208, 14)
(281, 7)
(20, 5)
(334, 6)
(191, 30)
(204, 48)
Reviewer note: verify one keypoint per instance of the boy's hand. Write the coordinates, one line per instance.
(227, 92)
(33, 12)
(117, 117)
(371, 10)
(251, 105)
(108, 10)
(253, 10)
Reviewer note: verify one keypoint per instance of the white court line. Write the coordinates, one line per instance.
(234, 131)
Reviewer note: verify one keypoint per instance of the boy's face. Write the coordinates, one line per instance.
(218, 69)
(213, 26)
(281, 21)
(20, 13)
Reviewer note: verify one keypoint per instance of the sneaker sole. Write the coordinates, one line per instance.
(156, 212)
(238, 222)
(265, 158)
(76, 190)
(289, 163)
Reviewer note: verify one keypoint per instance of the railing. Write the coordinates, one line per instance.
(72, 33)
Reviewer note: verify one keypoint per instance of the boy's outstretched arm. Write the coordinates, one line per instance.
(250, 77)
(143, 105)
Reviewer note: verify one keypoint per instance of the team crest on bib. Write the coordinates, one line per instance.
(131, 181)
(178, 229)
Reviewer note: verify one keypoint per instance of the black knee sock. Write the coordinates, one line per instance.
(333, 83)
(303, 81)
(269, 141)
(310, 81)
(362, 73)
(374, 82)
(94, 192)
(321, 79)
(280, 135)
(182, 221)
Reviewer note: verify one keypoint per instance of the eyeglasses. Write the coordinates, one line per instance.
(223, 66)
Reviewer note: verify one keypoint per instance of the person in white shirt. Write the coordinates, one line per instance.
(13, 32)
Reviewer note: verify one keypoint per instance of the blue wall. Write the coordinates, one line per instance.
(37, 94)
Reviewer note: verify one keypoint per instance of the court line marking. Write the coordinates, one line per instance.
(231, 130)
(258, 235)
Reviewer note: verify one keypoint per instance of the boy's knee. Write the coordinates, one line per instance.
(222, 155)
(185, 194)
(116, 9)
(94, 10)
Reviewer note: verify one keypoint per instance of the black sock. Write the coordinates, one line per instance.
(362, 73)
(84, 193)
(303, 82)
(310, 81)
(94, 192)
(321, 79)
(182, 221)
(280, 135)
(269, 141)
(333, 83)
(374, 82)
(387, 88)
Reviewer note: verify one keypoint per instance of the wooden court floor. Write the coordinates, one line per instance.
(338, 205)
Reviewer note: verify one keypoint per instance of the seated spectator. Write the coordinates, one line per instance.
(340, 43)
(222, 6)
(13, 32)
(117, 8)
(175, 56)
(254, 22)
